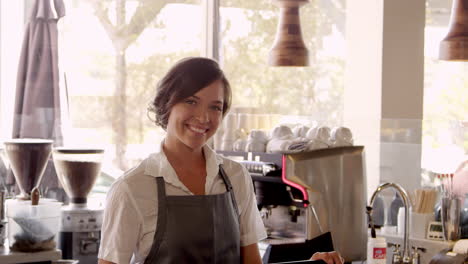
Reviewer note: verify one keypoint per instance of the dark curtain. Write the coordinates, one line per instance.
(37, 102)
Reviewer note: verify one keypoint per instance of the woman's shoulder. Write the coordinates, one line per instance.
(133, 173)
(236, 172)
(230, 164)
(136, 177)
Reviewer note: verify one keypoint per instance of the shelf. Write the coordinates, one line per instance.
(8, 256)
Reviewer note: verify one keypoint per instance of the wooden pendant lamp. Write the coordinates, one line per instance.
(289, 48)
(454, 46)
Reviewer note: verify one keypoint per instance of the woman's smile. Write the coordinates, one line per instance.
(197, 129)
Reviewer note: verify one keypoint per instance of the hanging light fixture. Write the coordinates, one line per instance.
(289, 48)
(454, 46)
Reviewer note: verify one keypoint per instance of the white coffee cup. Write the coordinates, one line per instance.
(401, 221)
(230, 121)
(419, 223)
(255, 146)
(239, 144)
(227, 145)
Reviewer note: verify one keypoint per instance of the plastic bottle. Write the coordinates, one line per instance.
(393, 210)
(376, 250)
(378, 215)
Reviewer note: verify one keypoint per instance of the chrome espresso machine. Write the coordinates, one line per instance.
(310, 201)
(80, 234)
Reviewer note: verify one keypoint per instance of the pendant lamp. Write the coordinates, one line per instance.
(454, 46)
(289, 48)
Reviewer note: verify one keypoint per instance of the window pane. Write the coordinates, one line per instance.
(111, 76)
(247, 34)
(445, 126)
(11, 37)
(113, 57)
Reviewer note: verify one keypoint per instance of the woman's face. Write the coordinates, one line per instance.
(196, 118)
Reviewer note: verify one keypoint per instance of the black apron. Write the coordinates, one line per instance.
(196, 228)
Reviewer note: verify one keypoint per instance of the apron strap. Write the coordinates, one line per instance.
(161, 224)
(228, 184)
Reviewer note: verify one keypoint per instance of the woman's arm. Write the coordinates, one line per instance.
(332, 257)
(250, 254)
(121, 225)
(101, 261)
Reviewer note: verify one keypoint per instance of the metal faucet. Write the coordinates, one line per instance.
(407, 204)
(416, 258)
(396, 256)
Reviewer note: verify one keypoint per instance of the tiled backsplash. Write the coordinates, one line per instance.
(406, 131)
(400, 152)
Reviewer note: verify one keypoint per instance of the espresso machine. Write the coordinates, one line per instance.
(310, 200)
(80, 233)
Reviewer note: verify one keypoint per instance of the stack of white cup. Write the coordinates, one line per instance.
(256, 141)
(341, 136)
(319, 137)
(229, 135)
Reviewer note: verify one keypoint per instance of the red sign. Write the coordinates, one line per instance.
(380, 253)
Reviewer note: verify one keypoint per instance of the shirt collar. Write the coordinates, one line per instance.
(213, 161)
(157, 165)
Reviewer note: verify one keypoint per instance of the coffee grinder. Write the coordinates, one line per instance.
(77, 171)
(28, 159)
(32, 223)
(3, 194)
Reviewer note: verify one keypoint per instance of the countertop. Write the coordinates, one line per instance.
(10, 257)
(432, 247)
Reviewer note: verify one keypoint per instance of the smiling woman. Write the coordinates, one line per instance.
(204, 210)
(203, 199)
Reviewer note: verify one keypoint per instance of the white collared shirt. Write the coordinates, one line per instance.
(130, 216)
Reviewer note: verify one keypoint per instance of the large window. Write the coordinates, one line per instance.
(112, 53)
(445, 125)
(111, 76)
(315, 92)
(11, 36)
(100, 71)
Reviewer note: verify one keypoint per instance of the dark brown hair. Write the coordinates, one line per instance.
(184, 79)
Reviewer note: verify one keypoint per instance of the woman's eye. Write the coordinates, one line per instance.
(190, 101)
(217, 108)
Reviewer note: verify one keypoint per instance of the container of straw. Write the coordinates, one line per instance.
(450, 209)
(422, 212)
(450, 214)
